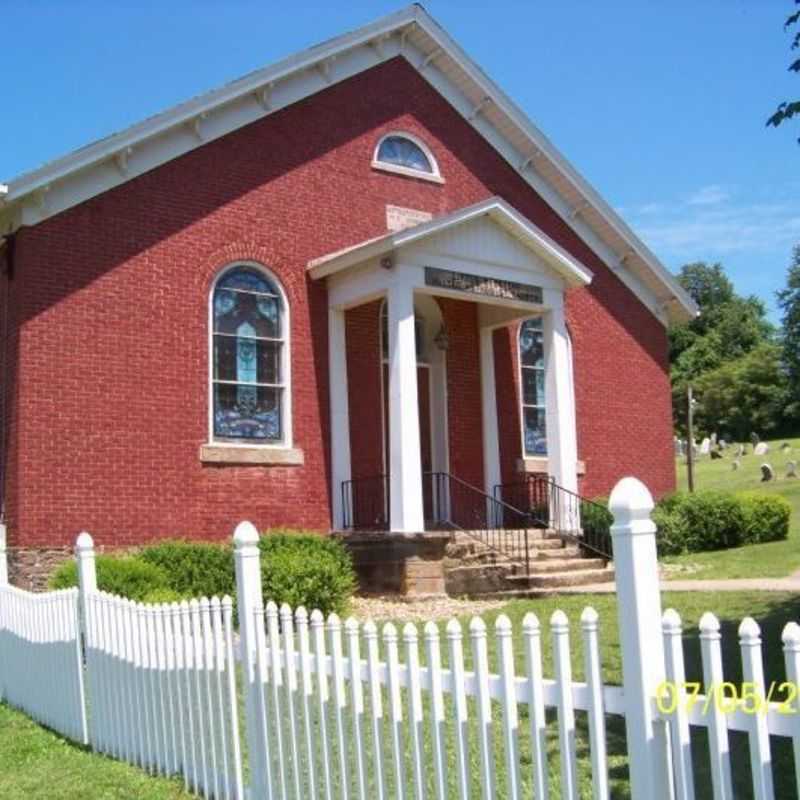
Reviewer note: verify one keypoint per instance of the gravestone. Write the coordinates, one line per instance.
(723, 445)
(705, 446)
(761, 449)
(736, 464)
(754, 439)
(714, 439)
(716, 454)
(791, 469)
(767, 473)
(739, 451)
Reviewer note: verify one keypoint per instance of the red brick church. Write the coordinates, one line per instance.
(304, 297)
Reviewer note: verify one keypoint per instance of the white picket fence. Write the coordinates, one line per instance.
(40, 658)
(163, 691)
(345, 710)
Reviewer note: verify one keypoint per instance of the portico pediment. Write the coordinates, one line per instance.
(488, 238)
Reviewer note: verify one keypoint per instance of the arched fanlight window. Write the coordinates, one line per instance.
(532, 374)
(407, 155)
(250, 362)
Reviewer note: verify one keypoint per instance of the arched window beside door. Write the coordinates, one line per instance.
(250, 358)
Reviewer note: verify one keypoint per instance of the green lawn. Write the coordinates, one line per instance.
(35, 763)
(772, 560)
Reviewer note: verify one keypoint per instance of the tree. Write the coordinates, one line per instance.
(745, 395)
(789, 304)
(788, 109)
(728, 328)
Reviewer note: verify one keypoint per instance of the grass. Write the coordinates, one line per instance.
(35, 762)
(771, 560)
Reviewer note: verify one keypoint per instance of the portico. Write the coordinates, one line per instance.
(487, 254)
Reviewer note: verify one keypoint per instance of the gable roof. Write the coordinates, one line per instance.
(572, 271)
(411, 33)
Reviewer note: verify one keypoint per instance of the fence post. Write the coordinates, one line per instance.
(639, 611)
(247, 559)
(87, 573)
(3, 556)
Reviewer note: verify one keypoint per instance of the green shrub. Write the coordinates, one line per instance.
(673, 536)
(766, 517)
(127, 576)
(596, 517)
(163, 596)
(193, 569)
(714, 519)
(308, 570)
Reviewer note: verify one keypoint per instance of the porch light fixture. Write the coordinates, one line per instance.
(442, 339)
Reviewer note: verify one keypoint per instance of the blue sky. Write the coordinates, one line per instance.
(661, 106)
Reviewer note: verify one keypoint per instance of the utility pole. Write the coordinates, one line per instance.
(690, 435)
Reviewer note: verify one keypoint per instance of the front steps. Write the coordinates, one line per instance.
(471, 568)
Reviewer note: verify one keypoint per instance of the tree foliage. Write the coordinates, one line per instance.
(789, 108)
(718, 342)
(789, 304)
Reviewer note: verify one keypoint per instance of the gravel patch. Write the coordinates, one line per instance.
(434, 608)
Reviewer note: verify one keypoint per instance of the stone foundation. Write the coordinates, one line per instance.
(410, 564)
(31, 568)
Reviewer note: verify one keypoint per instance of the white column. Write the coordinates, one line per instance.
(562, 436)
(405, 469)
(491, 437)
(87, 574)
(641, 643)
(340, 416)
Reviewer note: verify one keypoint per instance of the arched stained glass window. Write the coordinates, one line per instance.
(532, 373)
(248, 357)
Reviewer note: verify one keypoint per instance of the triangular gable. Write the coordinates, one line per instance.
(410, 33)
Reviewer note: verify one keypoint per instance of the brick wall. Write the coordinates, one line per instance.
(108, 363)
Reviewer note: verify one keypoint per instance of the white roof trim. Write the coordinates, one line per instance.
(572, 271)
(411, 33)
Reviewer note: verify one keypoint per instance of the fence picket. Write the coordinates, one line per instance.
(480, 659)
(713, 678)
(376, 707)
(596, 712)
(503, 631)
(455, 640)
(791, 655)
(233, 701)
(559, 625)
(356, 704)
(678, 720)
(290, 686)
(339, 702)
(262, 678)
(753, 673)
(395, 707)
(301, 618)
(318, 637)
(433, 655)
(531, 632)
(415, 715)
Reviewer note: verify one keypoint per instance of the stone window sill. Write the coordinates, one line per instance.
(541, 466)
(265, 456)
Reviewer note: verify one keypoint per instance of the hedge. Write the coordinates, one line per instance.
(708, 520)
(297, 568)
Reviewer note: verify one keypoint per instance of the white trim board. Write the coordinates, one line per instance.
(411, 33)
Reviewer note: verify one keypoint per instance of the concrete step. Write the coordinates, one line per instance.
(552, 580)
(562, 565)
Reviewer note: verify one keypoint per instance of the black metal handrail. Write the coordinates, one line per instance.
(449, 504)
(575, 518)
